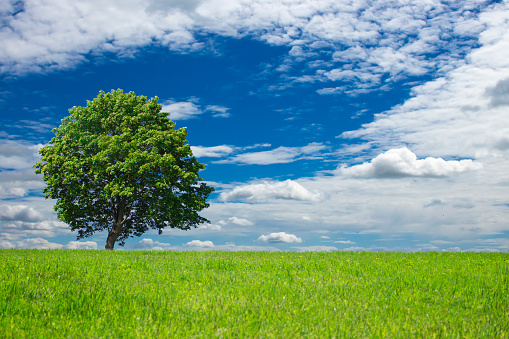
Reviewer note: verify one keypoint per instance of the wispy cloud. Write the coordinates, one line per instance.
(218, 111)
(280, 155)
(212, 152)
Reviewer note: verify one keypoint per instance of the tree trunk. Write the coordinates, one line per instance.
(110, 241)
(117, 211)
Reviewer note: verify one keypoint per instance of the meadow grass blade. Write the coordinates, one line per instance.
(141, 294)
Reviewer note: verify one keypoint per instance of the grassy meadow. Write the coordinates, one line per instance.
(141, 294)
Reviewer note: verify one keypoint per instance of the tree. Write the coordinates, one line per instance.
(118, 164)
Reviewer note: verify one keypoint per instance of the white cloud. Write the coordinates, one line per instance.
(280, 155)
(19, 213)
(149, 244)
(396, 38)
(240, 221)
(199, 243)
(18, 154)
(218, 111)
(499, 94)
(344, 242)
(212, 227)
(81, 245)
(288, 190)
(185, 110)
(181, 110)
(280, 237)
(460, 114)
(212, 152)
(30, 243)
(221, 150)
(401, 162)
(17, 176)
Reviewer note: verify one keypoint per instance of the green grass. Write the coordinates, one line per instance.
(99, 294)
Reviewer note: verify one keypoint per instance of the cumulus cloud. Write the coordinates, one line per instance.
(181, 110)
(199, 243)
(19, 213)
(402, 162)
(280, 237)
(288, 190)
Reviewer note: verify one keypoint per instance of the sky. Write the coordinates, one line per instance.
(325, 125)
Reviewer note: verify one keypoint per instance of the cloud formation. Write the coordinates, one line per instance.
(461, 113)
(280, 237)
(240, 221)
(499, 94)
(19, 213)
(380, 38)
(287, 190)
(212, 152)
(181, 110)
(81, 245)
(280, 155)
(40, 243)
(18, 154)
(199, 243)
(402, 162)
(152, 245)
(191, 109)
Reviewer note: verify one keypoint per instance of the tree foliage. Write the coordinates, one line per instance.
(120, 165)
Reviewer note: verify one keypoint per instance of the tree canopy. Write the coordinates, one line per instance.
(120, 165)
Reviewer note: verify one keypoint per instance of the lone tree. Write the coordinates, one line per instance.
(118, 164)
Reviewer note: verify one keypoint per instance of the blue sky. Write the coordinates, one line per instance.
(325, 125)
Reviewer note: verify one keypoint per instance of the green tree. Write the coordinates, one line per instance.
(120, 165)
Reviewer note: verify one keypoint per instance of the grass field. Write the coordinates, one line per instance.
(123, 294)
